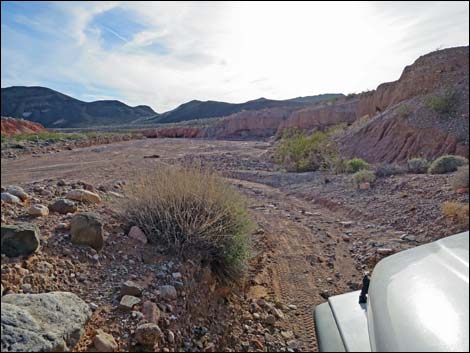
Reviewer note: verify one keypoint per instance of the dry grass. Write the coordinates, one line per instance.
(457, 212)
(194, 213)
(461, 179)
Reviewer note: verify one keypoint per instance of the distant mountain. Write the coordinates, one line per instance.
(199, 110)
(56, 110)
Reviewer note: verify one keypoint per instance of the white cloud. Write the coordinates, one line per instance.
(241, 51)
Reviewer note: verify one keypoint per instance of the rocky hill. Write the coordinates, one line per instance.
(11, 126)
(424, 113)
(56, 110)
(198, 110)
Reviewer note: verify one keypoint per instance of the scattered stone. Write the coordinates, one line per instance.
(148, 334)
(104, 342)
(287, 335)
(83, 196)
(270, 320)
(347, 224)
(18, 192)
(364, 186)
(408, 237)
(63, 206)
(152, 156)
(346, 238)
(86, 229)
(168, 292)
(26, 288)
(177, 275)
(17, 240)
(9, 198)
(46, 322)
(136, 233)
(384, 251)
(38, 210)
(170, 337)
(151, 312)
(128, 301)
(325, 294)
(115, 194)
(278, 313)
(131, 288)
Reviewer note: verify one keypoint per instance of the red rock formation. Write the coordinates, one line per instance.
(320, 117)
(173, 132)
(249, 124)
(11, 126)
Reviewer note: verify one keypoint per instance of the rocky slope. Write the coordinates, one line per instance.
(403, 122)
(54, 109)
(11, 126)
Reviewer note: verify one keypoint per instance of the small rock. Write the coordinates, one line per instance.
(83, 196)
(346, 238)
(9, 198)
(128, 301)
(364, 186)
(104, 342)
(26, 288)
(270, 320)
(151, 312)
(325, 294)
(148, 334)
(137, 234)
(38, 210)
(63, 206)
(168, 292)
(177, 275)
(131, 288)
(86, 229)
(384, 251)
(170, 337)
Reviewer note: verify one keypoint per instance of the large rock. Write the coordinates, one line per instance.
(18, 192)
(20, 239)
(86, 229)
(47, 322)
(104, 342)
(63, 206)
(38, 210)
(148, 334)
(83, 196)
(131, 288)
(9, 198)
(128, 301)
(151, 312)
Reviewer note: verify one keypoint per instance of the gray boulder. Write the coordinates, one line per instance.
(86, 229)
(47, 322)
(62, 206)
(22, 239)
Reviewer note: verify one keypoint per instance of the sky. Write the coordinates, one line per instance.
(163, 54)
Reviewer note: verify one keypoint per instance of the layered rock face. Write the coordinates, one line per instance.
(249, 124)
(320, 117)
(401, 123)
(12, 126)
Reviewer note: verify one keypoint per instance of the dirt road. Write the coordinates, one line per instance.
(303, 251)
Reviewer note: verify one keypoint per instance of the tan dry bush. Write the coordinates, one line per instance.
(192, 212)
(461, 179)
(456, 212)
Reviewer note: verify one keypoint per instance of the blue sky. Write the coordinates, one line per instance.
(165, 54)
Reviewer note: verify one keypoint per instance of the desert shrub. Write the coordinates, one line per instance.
(446, 164)
(461, 179)
(418, 165)
(387, 169)
(356, 164)
(299, 152)
(194, 213)
(404, 111)
(456, 212)
(442, 104)
(363, 176)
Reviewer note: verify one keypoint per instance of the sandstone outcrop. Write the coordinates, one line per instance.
(12, 126)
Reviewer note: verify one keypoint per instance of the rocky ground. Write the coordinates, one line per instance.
(315, 236)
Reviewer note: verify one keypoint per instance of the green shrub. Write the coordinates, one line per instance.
(418, 165)
(404, 111)
(461, 179)
(443, 104)
(363, 176)
(298, 152)
(356, 164)
(447, 164)
(194, 213)
(386, 169)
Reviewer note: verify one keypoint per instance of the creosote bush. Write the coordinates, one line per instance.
(456, 212)
(299, 152)
(447, 164)
(461, 179)
(363, 176)
(442, 104)
(418, 165)
(194, 213)
(356, 164)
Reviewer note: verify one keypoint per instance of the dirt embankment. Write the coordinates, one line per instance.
(12, 126)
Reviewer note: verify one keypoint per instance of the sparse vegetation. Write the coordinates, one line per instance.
(387, 169)
(461, 179)
(404, 110)
(442, 104)
(299, 152)
(456, 212)
(447, 164)
(194, 213)
(363, 176)
(418, 165)
(356, 164)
